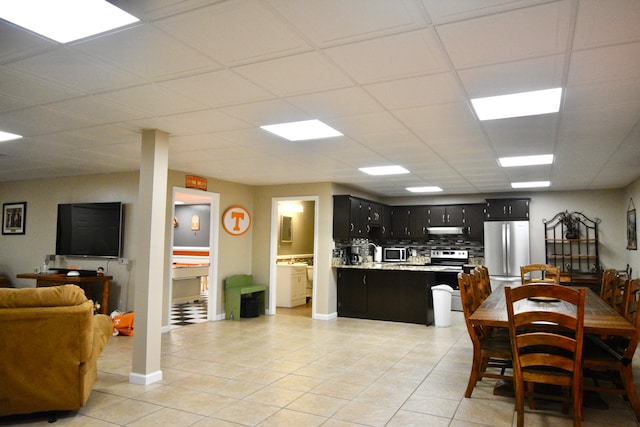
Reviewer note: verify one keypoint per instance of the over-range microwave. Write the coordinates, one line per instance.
(394, 254)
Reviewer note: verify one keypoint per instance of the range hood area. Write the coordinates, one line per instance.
(445, 230)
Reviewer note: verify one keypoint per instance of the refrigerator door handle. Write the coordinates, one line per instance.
(504, 249)
(508, 247)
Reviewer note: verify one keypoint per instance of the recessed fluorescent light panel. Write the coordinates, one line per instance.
(543, 159)
(302, 131)
(531, 184)
(424, 189)
(65, 20)
(6, 136)
(518, 104)
(384, 170)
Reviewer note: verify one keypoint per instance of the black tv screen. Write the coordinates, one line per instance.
(90, 229)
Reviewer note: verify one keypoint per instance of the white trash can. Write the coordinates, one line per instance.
(442, 305)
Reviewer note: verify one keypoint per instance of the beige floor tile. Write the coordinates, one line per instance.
(123, 412)
(316, 404)
(339, 389)
(298, 382)
(364, 413)
(167, 417)
(287, 418)
(274, 396)
(431, 405)
(416, 419)
(486, 411)
(246, 413)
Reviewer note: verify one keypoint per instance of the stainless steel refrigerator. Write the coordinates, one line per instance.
(506, 248)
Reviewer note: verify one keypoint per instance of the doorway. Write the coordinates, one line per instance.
(294, 242)
(193, 256)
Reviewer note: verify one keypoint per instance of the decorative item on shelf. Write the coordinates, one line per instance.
(571, 225)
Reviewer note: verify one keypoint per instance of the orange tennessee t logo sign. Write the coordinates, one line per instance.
(236, 220)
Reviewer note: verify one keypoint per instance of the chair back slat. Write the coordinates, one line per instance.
(534, 273)
(547, 343)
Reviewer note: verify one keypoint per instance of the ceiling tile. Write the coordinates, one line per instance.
(509, 36)
(235, 32)
(391, 57)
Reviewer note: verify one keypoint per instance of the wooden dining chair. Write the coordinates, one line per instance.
(607, 360)
(612, 289)
(539, 273)
(547, 342)
(491, 351)
(483, 283)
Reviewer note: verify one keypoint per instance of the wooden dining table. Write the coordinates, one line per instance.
(599, 318)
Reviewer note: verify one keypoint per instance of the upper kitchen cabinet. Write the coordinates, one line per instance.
(350, 217)
(379, 221)
(507, 209)
(409, 222)
(474, 215)
(446, 216)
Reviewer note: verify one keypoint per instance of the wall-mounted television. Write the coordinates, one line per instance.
(90, 229)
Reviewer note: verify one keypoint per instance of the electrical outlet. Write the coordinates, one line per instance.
(123, 261)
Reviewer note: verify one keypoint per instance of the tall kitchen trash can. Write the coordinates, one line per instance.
(442, 305)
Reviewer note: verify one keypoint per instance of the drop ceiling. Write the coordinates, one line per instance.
(394, 76)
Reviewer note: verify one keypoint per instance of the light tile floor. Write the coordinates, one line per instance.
(286, 370)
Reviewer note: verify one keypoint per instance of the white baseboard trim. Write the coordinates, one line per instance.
(329, 316)
(145, 379)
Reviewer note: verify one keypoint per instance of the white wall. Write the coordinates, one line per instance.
(21, 253)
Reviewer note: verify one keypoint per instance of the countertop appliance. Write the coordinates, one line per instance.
(506, 248)
(394, 254)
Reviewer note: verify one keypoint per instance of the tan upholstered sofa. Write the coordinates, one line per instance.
(50, 341)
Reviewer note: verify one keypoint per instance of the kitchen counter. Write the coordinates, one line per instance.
(393, 266)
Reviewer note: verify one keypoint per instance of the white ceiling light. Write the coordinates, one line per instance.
(424, 189)
(302, 131)
(384, 170)
(65, 20)
(543, 159)
(287, 207)
(6, 136)
(518, 104)
(531, 184)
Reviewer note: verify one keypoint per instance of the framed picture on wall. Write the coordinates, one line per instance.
(632, 233)
(14, 217)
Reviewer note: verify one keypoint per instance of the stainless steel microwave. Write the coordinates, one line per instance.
(394, 254)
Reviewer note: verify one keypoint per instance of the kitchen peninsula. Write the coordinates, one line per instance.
(399, 292)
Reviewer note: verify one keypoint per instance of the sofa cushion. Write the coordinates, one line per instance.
(64, 295)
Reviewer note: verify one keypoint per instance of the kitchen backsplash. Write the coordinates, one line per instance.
(421, 248)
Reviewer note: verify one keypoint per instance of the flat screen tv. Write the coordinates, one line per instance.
(90, 229)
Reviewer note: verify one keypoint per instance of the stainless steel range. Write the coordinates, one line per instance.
(452, 260)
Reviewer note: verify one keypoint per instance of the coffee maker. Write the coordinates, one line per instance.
(353, 255)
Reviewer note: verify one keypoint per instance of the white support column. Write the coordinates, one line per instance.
(150, 227)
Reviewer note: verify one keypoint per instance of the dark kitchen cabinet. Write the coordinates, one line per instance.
(409, 222)
(418, 222)
(400, 222)
(376, 214)
(475, 222)
(399, 296)
(350, 217)
(446, 216)
(352, 293)
(507, 209)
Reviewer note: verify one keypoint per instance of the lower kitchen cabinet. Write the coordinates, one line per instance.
(400, 296)
(352, 293)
